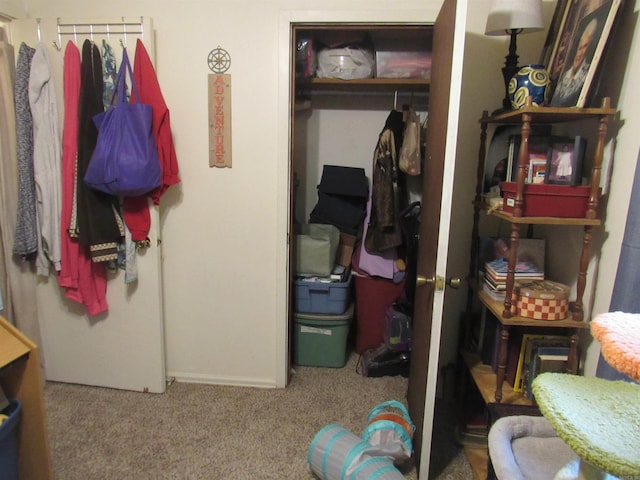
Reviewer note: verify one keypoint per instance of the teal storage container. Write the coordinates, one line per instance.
(321, 340)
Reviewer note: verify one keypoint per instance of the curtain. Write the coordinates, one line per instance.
(625, 296)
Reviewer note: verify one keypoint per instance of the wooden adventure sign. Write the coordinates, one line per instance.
(219, 120)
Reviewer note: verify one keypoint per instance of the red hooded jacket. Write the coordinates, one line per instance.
(136, 209)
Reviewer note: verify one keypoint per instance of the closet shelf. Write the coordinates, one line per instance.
(545, 220)
(375, 84)
(497, 308)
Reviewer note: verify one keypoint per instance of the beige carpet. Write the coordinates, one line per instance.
(215, 432)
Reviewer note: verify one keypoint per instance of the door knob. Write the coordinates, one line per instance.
(438, 282)
(422, 280)
(454, 282)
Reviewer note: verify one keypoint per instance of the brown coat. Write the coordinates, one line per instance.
(384, 229)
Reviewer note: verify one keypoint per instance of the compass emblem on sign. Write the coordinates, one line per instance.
(219, 60)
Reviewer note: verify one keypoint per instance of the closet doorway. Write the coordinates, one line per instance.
(448, 26)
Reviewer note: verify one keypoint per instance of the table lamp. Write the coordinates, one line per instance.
(513, 17)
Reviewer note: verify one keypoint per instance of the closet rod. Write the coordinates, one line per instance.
(363, 93)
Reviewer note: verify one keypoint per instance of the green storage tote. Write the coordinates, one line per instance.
(321, 340)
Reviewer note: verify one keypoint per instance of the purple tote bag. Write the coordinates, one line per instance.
(125, 161)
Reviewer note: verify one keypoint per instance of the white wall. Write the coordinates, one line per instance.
(224, 230)
(12, 8)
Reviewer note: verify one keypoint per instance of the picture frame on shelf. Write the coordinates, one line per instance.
(581, 42)
(538, 153)
(565, 160)
(537, 170)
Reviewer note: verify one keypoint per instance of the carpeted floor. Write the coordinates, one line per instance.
(209, 432)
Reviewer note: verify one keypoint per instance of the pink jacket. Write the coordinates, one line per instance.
(84, 281)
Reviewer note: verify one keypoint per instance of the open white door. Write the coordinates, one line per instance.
(442, 133)
(123, 348)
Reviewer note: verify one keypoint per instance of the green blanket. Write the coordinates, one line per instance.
(598, 418)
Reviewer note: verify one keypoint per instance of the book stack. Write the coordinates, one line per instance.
(538, 354)
(495, 275)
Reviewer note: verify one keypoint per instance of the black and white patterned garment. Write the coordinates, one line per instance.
(109, 69)
(26, 237)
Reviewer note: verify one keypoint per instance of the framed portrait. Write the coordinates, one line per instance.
(578, 50)
(564, 164)
(552, 34)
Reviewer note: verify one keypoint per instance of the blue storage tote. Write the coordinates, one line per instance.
(313, 296)
(321, 340)
(9, 441)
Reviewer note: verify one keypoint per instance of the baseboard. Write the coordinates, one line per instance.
(216, 380)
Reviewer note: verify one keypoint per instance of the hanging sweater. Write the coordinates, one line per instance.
(136, 209)
(97, 224)
(84, 281)
(25, 243)
(46, 160)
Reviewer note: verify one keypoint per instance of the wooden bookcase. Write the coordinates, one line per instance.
(492, 386)
(525, 118)
(20, 378)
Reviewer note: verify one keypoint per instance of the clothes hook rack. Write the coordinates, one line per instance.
(123, 27)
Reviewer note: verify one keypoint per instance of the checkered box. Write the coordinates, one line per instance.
(541, 299)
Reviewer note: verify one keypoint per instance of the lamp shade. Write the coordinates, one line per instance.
(523, 15)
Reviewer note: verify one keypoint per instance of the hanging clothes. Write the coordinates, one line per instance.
(25, 244)
(84, 281)
(97, 224)
(126, 251)
(109, 76)
(386, 192)
(46, 160)
(136, 209)
(17, 286)
(384, 265)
